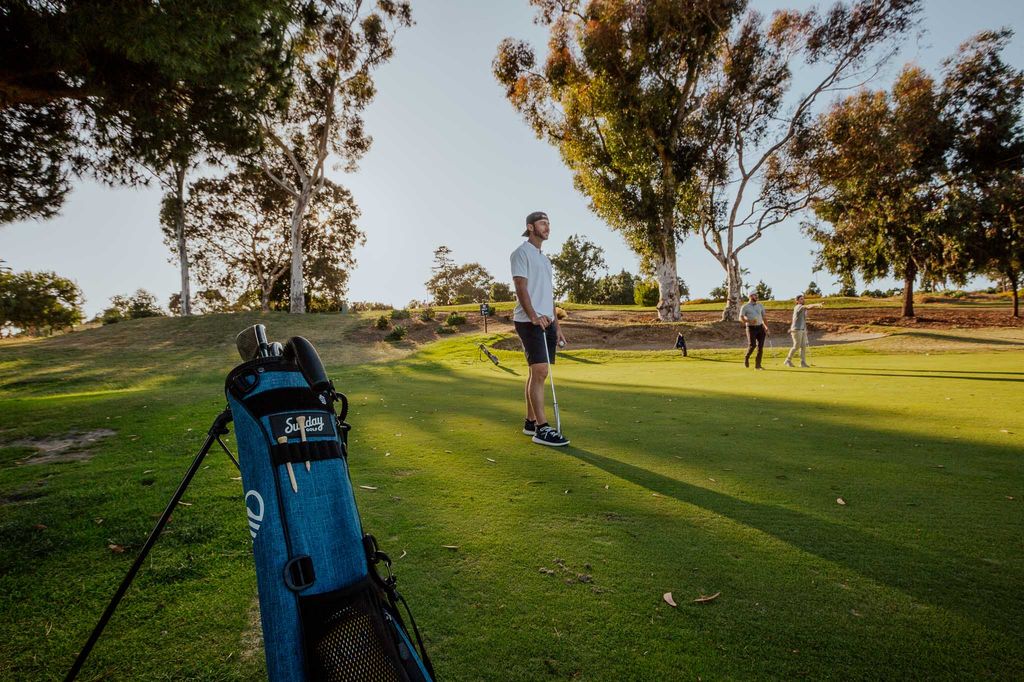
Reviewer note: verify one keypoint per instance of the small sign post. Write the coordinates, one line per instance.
(485, 310)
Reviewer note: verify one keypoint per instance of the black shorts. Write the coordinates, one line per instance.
(533, 338)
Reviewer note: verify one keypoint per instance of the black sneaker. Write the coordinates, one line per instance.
(548, 436)
(529, 427)
(746, 361)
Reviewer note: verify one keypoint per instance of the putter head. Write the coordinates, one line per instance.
(252, 342)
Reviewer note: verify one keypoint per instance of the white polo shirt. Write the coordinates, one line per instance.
(529, 262)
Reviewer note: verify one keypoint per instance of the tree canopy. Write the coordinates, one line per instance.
(92, 81)
(619, 95)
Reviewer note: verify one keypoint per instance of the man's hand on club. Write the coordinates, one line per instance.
(542, 321)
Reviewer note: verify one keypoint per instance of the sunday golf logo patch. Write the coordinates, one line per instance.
(302, 426)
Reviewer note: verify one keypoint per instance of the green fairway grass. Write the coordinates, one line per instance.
(690, 475)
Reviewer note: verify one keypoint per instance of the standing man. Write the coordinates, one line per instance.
(798, 330)
(752, 315)
(536, 323)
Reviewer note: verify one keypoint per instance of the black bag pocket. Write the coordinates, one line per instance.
(348, 639)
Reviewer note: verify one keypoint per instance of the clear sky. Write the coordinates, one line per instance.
(452, 164)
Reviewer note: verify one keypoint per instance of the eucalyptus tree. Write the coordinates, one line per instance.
(336, 46)
(883, 158)
(238, 231)
(985, 96)
(620, 95)
(748, 183)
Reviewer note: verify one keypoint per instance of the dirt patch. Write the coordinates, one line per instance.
(71, 447)
(252, 636)
(26, 493)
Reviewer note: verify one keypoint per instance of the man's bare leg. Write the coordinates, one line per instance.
(535, 392)
(529, 405)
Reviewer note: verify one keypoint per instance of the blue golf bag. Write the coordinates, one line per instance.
(327, 613)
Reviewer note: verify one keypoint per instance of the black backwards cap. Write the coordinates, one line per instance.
(532, 218)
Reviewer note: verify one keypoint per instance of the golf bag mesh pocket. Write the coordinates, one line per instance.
(347, 639)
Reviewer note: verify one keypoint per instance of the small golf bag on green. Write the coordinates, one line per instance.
(327, 613)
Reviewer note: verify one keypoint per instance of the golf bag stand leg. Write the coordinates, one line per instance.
(218, 429)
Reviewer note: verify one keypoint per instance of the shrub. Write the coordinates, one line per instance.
(455, 319)
(382, 322)
(138, 305)
(400, 314)
(370, 305)
(396, 334)
(698, 301)
(763, 291)
(427, 314)
(445, 330)
(873, 293)
(645, 292)
(718, 294)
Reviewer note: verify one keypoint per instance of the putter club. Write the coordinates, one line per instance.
(551, 378)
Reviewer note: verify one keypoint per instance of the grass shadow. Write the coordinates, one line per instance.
(944, 580)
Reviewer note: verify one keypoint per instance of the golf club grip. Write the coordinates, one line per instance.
(306, 357)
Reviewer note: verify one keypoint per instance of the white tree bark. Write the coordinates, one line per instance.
(179, 233)
(666, 274)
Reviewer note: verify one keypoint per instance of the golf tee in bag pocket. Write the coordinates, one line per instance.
(326, 614)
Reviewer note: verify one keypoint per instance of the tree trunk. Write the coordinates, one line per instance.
(668, 279)
(1014, 277)
(265, 300)
(296, 294)
(179, 233)
(908, 289)
(734, 287)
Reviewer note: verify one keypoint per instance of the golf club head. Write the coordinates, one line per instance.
(303, 354)
(252, 342)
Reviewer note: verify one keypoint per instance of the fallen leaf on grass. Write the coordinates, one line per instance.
(403, 554)
(149, 471)
(39, 526)
(450, 546)
(547, 571)
(116, 549)
(492, 461)
(841, 501)
(236, 478)
(705, 599)
(668, 599)
(185, 504)
(368, 487)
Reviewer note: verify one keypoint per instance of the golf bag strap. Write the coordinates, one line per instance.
(281, 400)
(374, 557)
(310, 451)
